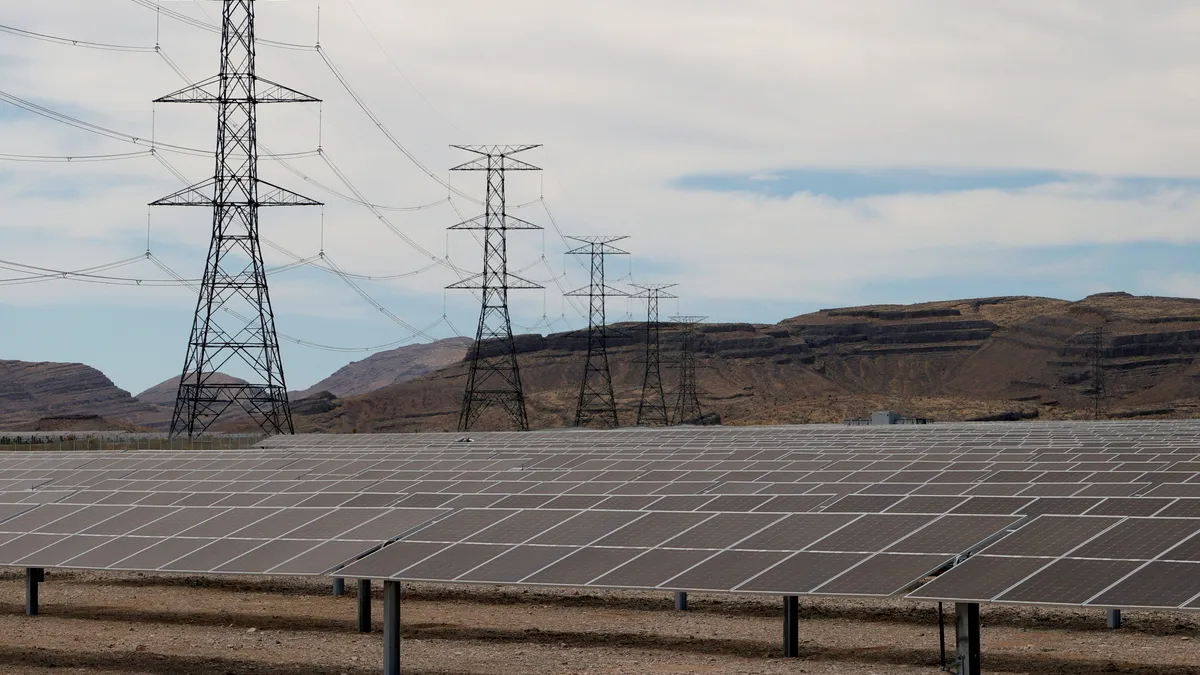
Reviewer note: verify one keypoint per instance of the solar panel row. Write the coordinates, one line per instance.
(244, 540)
(1061, 560)
(695, 509)
(742, 552)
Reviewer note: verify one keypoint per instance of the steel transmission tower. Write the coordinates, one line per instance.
(652, 409)
(1095, 357)
(494, 377)
(687, 402)
(596, 402)
(234, 326)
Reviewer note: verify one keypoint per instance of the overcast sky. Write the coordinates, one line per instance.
(771, 156)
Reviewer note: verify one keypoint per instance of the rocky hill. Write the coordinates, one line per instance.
(987, 358)
(30, 392)
(37, 396)
(391, 367)
(164, 392)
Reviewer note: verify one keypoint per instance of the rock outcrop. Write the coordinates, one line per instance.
(988, 358)
(997, 358)
(32, 391)
(164, 392)
(388, 368)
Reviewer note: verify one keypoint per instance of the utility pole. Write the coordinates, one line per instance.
(234, 326)
(687, 402)
(597, 404)
(494, 377)
(652, 409)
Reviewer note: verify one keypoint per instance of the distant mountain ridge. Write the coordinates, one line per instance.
(164, 392)
(31, 391)
(391, 367)
(1003, 358)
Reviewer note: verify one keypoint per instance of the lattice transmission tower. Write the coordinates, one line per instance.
(652, 408)
(494, 378)
(597, 405)
(687, 400)
(1099, 389)
(234, 326)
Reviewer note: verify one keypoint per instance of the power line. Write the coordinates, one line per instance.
(68, 120)
(153, 144)
(72, 43)
(202, 25)
(284, 336)
(363, 294)
(75, 159)
(337, 75)
(386, 132)
(358, 197)
(400, 72)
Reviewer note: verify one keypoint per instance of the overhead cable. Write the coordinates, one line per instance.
(73, 43)
(203, 25)
(43, 111)
(386, 132)
(69, 159)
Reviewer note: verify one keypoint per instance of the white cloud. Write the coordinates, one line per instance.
(628, 96)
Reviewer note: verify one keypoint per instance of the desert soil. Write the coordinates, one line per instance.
(107, 624)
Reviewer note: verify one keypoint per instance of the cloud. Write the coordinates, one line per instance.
(844, 184)
(871, 100)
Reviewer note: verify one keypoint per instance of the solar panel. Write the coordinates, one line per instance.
(586, 528)
(653, 529)
(1069, 581)
(653, 568)
(979, 579)
(1050, 536)
(767, 472)
(722, 530)
(449, 563)
(801, 573)
(725, 570)
(797, 531)
(1140, 539)
(885, 574)
(516, 564)
(582, 566)
(870, 533)
(1157, 584)
(951, 535)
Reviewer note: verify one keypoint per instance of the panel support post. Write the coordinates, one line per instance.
(364, 605)
(791, 626)
(339, 587)
(33, 577)
(967, 637)
(681, 601)
(391, 628)
(1114, 618)
(942, 636)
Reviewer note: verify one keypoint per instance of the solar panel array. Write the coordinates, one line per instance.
(785, 510)
(830, 553)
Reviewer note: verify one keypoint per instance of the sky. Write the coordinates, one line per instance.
(771, 157)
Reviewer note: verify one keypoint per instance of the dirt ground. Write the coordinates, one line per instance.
(107, 624)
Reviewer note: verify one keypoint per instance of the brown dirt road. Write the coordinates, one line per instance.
(105, 624)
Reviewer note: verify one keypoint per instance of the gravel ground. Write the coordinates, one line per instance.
(110, 624)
